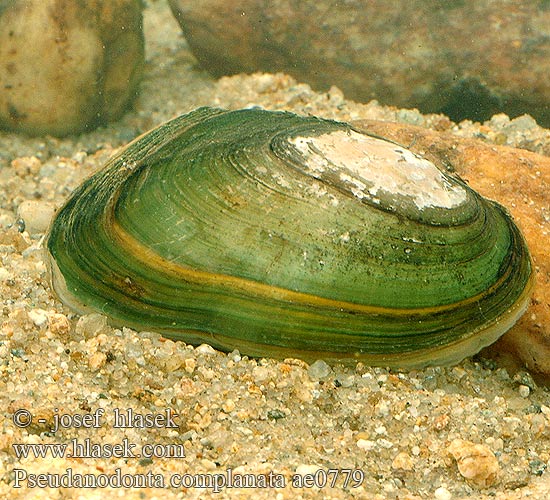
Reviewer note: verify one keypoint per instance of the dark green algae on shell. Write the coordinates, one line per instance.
(289, 236)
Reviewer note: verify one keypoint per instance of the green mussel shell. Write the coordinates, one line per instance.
(290, 236)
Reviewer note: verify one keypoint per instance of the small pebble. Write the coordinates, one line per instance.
(442, 493)
(524, 391)
(37, 215)
(189, 365)
(345, 380)
(476, 462)
(59, 324)
(304, 469)
(205, 349)
(365, 444)
(91, 325)
(319, 370)
(276, 414)
(4, 274)
(96, 361)
(537, 467)
(260, 374)
(38, 316)
(525, 378)
(384, 443)
(208, 464)
(228, 406)
(402, 461)
(235, 355)
(26, 166)
(441, 422)
(381, 430)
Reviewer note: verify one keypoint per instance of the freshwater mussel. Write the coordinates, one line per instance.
(289, 236)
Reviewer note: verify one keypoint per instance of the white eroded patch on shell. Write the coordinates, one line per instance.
(371, 166)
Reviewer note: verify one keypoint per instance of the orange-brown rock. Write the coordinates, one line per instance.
(520, 181)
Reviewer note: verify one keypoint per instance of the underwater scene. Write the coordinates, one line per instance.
(285, 249)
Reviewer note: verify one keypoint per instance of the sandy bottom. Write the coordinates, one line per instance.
(293, 430)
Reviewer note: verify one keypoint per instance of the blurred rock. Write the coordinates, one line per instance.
(467, 59)
(66, 66)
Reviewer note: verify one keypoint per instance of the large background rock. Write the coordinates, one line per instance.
(468, 58)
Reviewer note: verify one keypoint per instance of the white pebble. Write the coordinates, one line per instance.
(235, 355)
(442, 494)
(384, 443)
(381, 430)
(205, 349)
(524, 391)
(319, 370)
(4, 274)
(38, 316)
(36, 214)
(365, 444)
(260, 374)
(91, 325)
(304, 469)
(383, 409)
(208, 464)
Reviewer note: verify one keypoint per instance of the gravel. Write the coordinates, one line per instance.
(445, 433)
